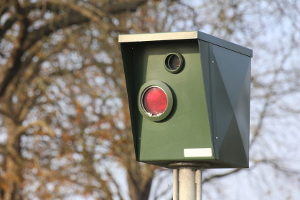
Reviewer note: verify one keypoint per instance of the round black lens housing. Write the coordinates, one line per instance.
(174, 62)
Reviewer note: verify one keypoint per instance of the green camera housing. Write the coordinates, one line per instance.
(204, 102)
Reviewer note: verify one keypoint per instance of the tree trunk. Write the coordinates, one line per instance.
(139, 180)
(11, 188)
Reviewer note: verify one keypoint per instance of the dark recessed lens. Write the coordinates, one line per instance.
(174, 62)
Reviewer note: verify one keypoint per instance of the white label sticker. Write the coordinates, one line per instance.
(198, 152)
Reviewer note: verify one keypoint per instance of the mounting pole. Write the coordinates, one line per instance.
(198, 180)
(187, 184)
(175, 184)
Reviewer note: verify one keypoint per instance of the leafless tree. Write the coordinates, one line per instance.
(65, 126)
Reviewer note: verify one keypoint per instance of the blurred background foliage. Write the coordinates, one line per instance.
(64, 122)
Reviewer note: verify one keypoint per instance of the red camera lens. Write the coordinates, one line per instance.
(155, 101)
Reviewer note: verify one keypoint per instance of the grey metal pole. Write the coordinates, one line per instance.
(198, 180)
(187, 184)
(175, 184)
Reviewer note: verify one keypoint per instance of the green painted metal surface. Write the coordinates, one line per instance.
(209, 121)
